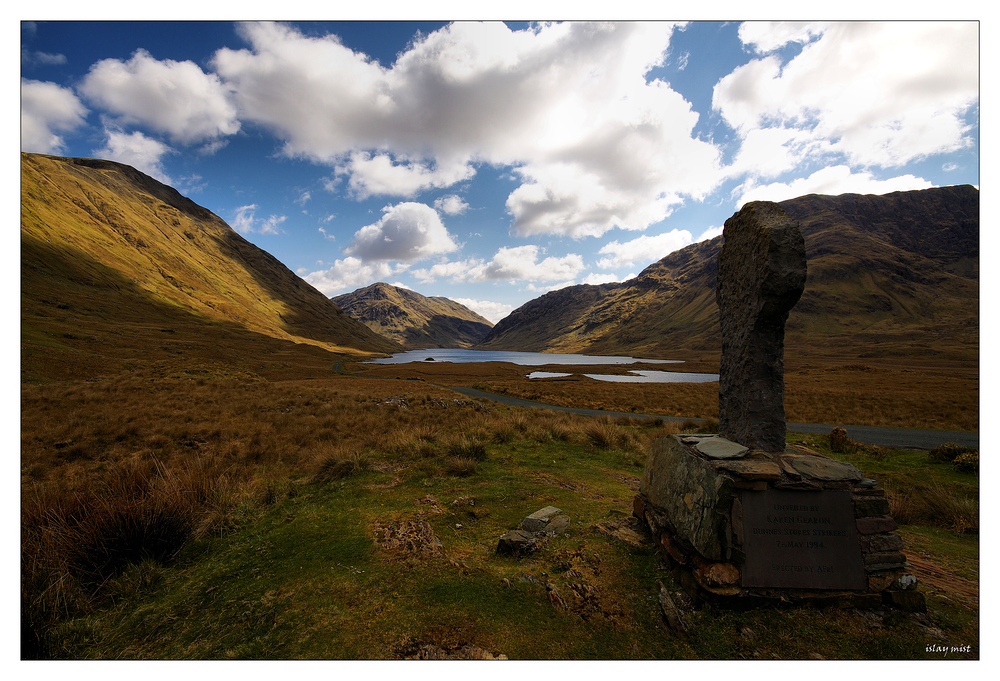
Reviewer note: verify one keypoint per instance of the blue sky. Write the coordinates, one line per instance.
(491, 162)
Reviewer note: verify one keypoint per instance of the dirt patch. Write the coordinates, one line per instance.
(930, 574)
(409, 537)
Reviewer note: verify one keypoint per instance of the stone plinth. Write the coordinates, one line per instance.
(762, 271)
(792, 525)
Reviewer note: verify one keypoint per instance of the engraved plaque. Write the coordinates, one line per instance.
(801, 540)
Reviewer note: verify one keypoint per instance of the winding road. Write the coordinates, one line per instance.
(897, 438)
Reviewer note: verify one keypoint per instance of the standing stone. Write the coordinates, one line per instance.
(762, 271)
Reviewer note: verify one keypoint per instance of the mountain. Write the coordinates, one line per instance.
(413, 320)
(117, 267)
(888, 275)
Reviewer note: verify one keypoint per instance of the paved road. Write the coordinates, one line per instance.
(899, 438)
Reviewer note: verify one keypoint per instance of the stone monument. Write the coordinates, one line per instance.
(740, 514)
(762, 271)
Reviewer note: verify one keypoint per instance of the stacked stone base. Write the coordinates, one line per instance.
(692, 497)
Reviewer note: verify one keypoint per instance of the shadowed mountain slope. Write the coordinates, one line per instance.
(888, 275)
(114, 264)
(414, 320)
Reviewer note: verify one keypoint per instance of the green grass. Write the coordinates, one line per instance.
(304, 578)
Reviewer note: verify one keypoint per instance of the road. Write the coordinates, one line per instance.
(897, 438)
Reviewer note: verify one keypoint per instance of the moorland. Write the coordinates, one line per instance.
(199, 482)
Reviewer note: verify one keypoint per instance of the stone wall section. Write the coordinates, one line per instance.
(691, 498)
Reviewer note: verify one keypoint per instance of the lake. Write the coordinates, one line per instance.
(523, 358)
(542, 358)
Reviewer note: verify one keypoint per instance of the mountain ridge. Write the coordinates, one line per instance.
(105, 246)
(899, 269)
(412, 319)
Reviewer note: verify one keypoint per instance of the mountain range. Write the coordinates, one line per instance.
(413, 320)
(888, 275)
(118, 268)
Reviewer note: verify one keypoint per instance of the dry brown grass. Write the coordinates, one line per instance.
(916, 393)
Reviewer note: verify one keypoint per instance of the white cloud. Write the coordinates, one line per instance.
(597, 279)
(594, 145)
(176, 98)
(46, 109)
(452, 204)
(518, 263)
(379, 175)
(407, 231)
(456, 270)
(135, 149)
(644, 249)
(245, 221)
(767, 36)
(879, 93)
(834, 180)
(493, 311)
(351, 273)
(710, 233)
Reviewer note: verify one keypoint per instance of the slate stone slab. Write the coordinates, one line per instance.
(721, 448)
(801, 540)
(762, 272)
(821, 468)
(537, 521)
(693, 498)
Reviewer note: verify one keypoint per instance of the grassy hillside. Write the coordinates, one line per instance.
(117, 267)
(893, 275)
(413, 320)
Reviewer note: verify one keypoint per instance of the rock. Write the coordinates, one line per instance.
(538, 520)
(821, 468)
(762, 272)
(909, 600)
(517, 543)
(751, 469)
(702, 510)
(618, 530)
(558, 525)
(721, 448)
(671, 613)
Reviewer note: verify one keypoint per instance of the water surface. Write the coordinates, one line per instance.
(521, 358)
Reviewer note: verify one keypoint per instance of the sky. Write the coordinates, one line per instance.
(491, 162)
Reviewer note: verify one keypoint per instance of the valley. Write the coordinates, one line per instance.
(199, 481)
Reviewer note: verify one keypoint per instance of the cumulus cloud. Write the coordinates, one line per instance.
(135, 149)
(245, 221)
(834, 180)
(176, 98)
(567, 105)
(48, 109)
(407, 231)
(493, 311)
(518, 263)
(351, 273)
(644, 249)
(521, 263)
(452, 204)
(379, 175)
(877, 93)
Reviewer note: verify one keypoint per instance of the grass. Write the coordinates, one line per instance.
(214, 515)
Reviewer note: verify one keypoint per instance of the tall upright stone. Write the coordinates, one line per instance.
(762, 271)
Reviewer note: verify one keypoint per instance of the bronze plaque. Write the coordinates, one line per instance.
(801, 540)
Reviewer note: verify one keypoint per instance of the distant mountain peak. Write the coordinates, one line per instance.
(412, 319)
